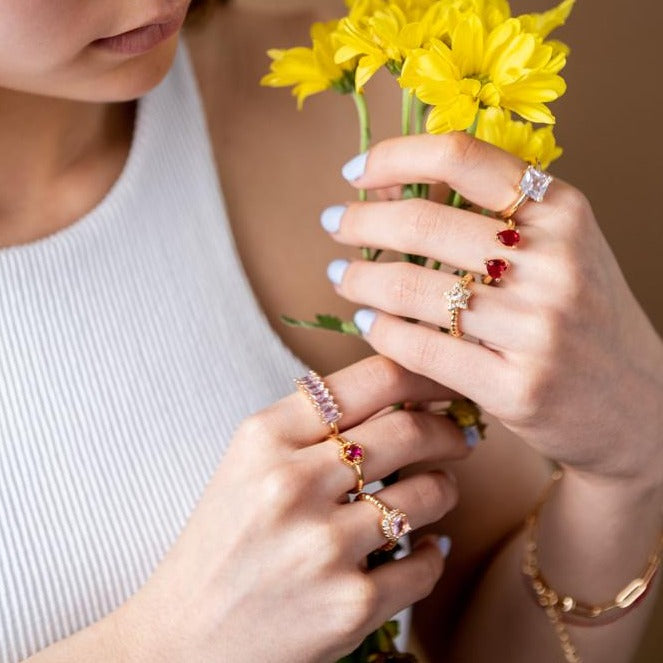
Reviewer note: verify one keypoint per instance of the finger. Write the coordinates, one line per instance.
(402, 582)
(361, 390)
(469, 368)
(424, 498)
(388, 444)
(480, 172)
(420, 227)
(418, 293)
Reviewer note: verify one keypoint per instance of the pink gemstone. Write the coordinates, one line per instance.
(354, 453)
(509, 237)
(400, 526)
(496, 268)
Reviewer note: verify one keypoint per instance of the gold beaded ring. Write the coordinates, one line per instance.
(393, 524)
(457, 300)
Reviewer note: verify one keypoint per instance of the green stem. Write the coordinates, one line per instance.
(364, 144)
(406, 113)
(364, 130)
(420, 109)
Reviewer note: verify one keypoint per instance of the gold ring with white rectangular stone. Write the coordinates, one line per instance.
(458, 300)
(394, 523)
(532, 186)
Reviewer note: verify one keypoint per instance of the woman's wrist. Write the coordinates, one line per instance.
(596, 535)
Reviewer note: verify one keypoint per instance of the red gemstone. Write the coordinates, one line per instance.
(509, 237)
(354, 453)
(496, 268)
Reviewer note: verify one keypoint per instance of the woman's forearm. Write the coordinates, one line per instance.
(593, 539)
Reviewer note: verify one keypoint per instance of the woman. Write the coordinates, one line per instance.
(133, 347)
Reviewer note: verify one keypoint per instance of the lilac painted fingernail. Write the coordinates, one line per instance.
(355, 168)
(336, 270)
(444, 544)
(364, 319)
(472, 436)
(330, 219)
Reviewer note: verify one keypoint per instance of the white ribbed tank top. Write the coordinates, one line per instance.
(131, 346)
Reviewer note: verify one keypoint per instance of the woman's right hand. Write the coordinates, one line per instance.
(270, 566)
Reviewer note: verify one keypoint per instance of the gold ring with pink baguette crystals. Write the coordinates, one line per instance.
(313, 387)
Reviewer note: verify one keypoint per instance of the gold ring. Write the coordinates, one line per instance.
(394, 523)
(533, 185)
(457, 300)
(351, 454)
(313, 387)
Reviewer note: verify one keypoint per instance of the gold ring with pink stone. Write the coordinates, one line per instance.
(352, 455)
(394, 524)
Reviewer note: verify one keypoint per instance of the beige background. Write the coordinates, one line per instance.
(609, 123)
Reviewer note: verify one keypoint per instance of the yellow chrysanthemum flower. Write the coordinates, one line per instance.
(505, 67)
(497, 127)
(381, 33)
(311, 70)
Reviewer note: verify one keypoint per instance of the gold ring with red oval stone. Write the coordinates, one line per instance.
(313, 387)
(353, 455)
(393, 524)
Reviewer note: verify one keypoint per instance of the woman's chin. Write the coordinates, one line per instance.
(134, 76)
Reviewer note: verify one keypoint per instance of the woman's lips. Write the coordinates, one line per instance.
(141, 39)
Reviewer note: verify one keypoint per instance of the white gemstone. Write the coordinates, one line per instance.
(535, 183)
(458, 297)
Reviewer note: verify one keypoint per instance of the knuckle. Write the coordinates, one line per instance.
(384, 372)
(365, 603)
(255, 428)
(422, 220)
(459, 149)
(424, 353)
(530, 395)
(406, 427)
(406, 285)
(328, 540)
(280, 486)
(574, 208)
(433, 496)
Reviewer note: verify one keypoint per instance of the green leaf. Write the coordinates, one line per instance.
(329, 322)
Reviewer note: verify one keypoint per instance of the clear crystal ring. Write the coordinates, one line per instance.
(532, 186)
(458, 300)
(319, 395)
(393, 524)
(351, 454)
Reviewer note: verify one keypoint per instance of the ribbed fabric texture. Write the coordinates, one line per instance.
(131, 346)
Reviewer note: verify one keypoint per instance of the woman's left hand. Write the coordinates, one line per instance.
(566, 357)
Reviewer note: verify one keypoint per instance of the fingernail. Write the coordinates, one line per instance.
(364, 319)
(355, 168)
(330, 219)
(336, 270)
(444, 544)
(472, 436)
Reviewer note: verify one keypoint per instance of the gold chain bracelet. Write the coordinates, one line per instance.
(561, 609)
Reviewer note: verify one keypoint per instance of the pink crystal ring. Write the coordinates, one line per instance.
(394, 523)
(351, 454)
(315, 390)
(532, 186)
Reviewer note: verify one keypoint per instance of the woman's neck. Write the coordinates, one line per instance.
(58, 160)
